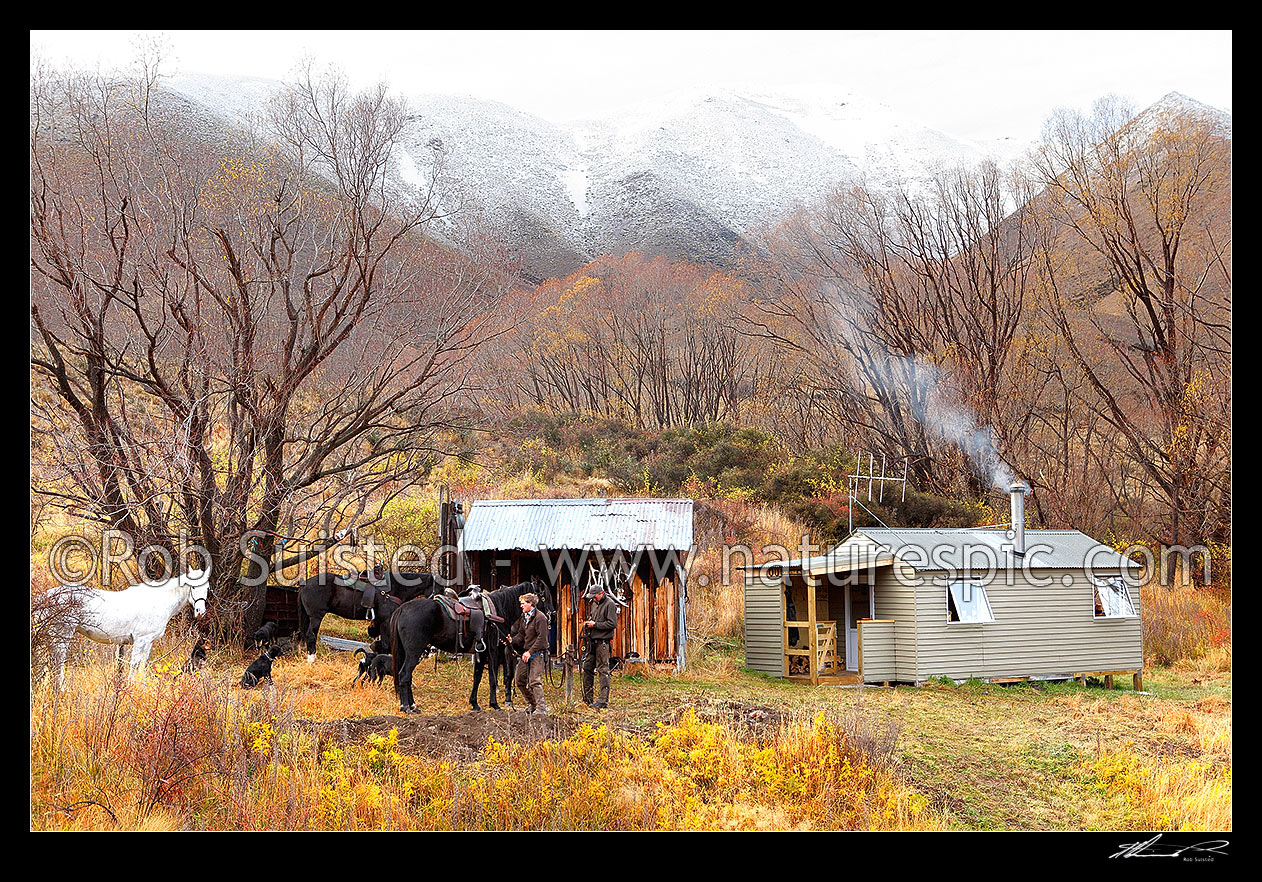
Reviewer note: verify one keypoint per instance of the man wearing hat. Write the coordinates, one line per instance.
(602, 619)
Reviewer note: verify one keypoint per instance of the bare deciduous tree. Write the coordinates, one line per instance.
(239, 340)
(906, 301)
(1147, 197)
(650, 341)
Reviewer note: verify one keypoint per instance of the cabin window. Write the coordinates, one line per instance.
(1113, 599)
(966, 602)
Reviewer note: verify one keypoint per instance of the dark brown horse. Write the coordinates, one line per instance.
(344, 596)
(384, 601)
(422, 623)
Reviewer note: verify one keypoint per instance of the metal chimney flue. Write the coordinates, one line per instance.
(1017, 492)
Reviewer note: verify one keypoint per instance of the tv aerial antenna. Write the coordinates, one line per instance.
(875, 482)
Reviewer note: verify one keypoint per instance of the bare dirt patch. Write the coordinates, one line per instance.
(753, 722)
(462, 737)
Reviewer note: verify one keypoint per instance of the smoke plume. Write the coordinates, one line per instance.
(924, 384)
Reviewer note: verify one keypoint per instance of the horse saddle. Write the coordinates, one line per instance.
(467, 606)
(470, 613)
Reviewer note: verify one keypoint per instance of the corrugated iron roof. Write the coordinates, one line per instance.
(935, 549)
(1044, 549)
(531, 524)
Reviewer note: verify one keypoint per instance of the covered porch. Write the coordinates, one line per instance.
(825, 600)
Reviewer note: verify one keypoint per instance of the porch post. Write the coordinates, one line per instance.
(812, 659)
(784, 618)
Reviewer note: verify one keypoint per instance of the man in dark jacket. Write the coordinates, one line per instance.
(530, 638)
(602, 619)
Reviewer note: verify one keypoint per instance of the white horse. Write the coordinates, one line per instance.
(137, 615)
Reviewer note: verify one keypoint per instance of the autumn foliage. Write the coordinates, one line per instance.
(179, 752)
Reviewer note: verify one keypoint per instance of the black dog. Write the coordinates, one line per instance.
(197, 658)
(264, 635)
(373, 666)
(382, 666)
(365, 662)
(261, 667)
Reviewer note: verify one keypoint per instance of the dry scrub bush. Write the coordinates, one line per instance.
(55, 609)
(1186, 624)
(690, 775)
(189, 752)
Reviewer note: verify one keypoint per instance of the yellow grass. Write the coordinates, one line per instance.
(1168, 794)
(181, 751)
(758, 754)
(1177, 776)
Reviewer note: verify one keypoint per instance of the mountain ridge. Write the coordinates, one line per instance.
(691, 176)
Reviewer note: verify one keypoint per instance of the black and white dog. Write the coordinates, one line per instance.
(261, 668)
(382, 667)
(264, 636)
(373, 666)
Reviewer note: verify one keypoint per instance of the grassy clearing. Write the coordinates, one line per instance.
(313, 753)
(1026, 757)
(715, 748)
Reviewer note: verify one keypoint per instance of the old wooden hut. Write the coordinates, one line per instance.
(565, 542)
(910, 605)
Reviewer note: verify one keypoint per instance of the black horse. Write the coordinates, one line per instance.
(385, 601)
(422, 623)
(342, 596)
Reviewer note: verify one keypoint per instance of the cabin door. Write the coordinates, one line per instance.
(860, 604)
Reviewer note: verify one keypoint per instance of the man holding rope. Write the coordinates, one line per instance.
(530, 638)
(602, 619)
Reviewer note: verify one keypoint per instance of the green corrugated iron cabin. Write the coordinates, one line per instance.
(911, 605)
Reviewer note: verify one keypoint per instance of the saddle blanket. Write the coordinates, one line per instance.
(488, 608)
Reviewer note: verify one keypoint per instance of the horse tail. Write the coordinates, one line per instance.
(397, 652)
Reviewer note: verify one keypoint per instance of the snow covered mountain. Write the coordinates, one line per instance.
(1178, 104)
(688, 177)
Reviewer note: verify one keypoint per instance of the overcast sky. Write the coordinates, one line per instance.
(975, 84)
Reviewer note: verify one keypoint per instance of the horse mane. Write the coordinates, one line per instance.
(411, 577)
(504, 599)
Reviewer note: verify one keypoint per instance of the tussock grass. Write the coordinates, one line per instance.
(716, 599)
(1168, 794)
(170, 751)
(980, 757)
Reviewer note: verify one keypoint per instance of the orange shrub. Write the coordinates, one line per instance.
(1185, 624)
